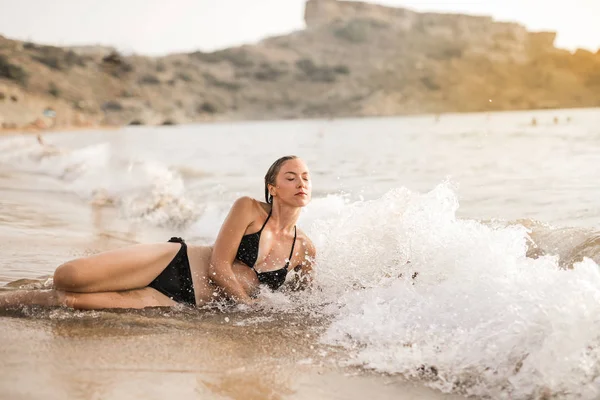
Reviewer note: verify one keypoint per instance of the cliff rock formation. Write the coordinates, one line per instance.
(353, 59)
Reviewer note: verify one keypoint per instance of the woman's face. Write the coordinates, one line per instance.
(293, 185)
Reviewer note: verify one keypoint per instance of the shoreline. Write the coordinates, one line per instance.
(436, 116)
(33, 130)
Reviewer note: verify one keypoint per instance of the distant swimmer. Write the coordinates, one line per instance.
(258, 246)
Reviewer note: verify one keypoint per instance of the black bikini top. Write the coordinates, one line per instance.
(248, 253)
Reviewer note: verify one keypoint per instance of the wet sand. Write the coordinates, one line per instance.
(62, 354)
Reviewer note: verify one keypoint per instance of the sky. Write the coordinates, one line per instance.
(157, 27)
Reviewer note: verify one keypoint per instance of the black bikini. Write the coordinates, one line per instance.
(248, 253)
(175, 281)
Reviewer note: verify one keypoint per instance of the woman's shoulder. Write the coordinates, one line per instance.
(249, 204)
(251, 210)
(307, 244)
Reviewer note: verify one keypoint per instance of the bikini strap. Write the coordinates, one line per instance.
(266, 220)
(287, 264)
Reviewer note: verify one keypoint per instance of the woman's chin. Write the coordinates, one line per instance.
(299, 201)
(304, 202)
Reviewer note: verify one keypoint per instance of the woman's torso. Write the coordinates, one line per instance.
(206, 291)
(272, 254)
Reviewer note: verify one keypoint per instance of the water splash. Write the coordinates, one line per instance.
(143, 190)
(457, 303)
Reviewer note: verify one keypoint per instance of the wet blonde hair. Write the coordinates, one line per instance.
(271, 175)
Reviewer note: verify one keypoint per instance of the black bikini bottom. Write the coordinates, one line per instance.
(175, 281)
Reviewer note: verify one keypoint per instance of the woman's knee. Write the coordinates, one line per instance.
(69, 276)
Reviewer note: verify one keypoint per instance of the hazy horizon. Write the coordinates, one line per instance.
(156, 27)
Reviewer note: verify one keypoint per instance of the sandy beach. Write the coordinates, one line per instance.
(154, 355)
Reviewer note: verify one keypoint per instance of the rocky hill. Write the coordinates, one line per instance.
(353, 59)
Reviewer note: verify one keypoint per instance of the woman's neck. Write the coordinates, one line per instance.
(285, 217)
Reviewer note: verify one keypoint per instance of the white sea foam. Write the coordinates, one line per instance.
(413, 290)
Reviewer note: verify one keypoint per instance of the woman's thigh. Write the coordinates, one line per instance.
(127, 268)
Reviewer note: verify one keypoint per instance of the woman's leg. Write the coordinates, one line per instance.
(136, 298)
(132, 267)
(30, 297)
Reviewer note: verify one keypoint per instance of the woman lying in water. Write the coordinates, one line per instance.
(257, 245)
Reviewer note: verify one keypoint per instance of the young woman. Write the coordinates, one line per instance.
(258, 244)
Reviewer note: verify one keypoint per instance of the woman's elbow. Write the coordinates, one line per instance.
(213, 272)
(218, 273)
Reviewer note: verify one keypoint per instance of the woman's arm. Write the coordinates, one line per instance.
(225, 249)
